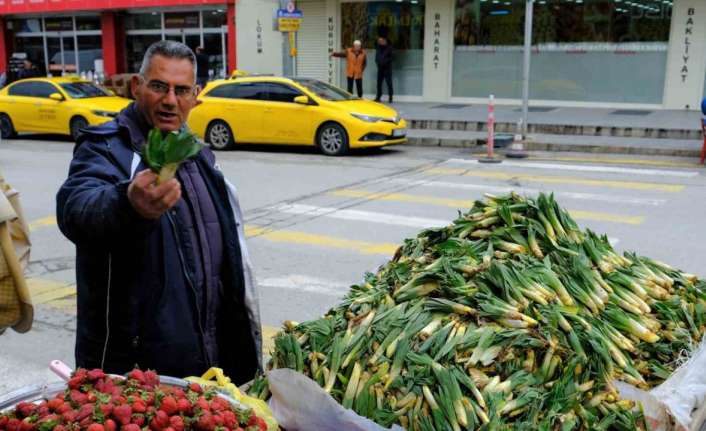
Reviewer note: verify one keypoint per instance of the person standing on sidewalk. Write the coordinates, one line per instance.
(201, 67)
(383, 59)
(356, 61)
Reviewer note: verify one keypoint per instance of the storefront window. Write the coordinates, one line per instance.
(144, 21)
(213, 47)
(89, 50)
(30, 25)
(403, 23)
(214, 18)
(136, 47)
(65, 23)
(593, 51)
(88, 23)
(33, 47)
(181, 20)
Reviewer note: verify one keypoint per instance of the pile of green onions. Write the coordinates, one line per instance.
(510, 318)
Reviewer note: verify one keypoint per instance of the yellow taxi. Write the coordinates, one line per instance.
(292, 111)
(55, 105)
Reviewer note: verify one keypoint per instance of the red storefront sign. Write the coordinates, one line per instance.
(38, 6)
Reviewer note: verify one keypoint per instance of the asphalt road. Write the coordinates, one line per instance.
(317, 224)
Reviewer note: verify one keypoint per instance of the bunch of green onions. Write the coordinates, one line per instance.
(509, 318)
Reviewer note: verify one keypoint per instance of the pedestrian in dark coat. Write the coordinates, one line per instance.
(163, 275)
(383, 59)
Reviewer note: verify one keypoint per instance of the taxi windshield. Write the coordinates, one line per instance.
(83, 90)
(324, 90)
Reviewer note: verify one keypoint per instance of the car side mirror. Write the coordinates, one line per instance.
(56, 96)
(302, 100)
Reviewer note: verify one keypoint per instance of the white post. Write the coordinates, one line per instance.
(529, 11)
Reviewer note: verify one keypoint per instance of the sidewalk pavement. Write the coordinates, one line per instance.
(598, 130)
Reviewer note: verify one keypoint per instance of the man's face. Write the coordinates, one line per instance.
(356, 47)
(166, 94)
(382, 41)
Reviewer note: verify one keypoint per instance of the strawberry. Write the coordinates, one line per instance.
(59, 428)
(106, 409)
(229, 419)
(24, 409)
(110, 425)
(13, 425)
(177, 422)
(160, 421)
(205, 422)
(137, 374)
(96, 374)
(184, 406)
(96, 427)
(130, 427)
(85, 422)
(69, 416)
(26, 425)
(3, 421)
(55, 403)
(77, 397)
(169, 405)
(91, 397)
(151, 378)
(195, 387)
(122, 413)
(139, 406)
(178, 393)
(139, 420)
(84, 411)
(202, 403)
(218, 420)
(64, 408)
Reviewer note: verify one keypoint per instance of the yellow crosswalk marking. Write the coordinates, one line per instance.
(294, 237)
(613, 184)
(42, 222)
(455, 203)
(45, 291)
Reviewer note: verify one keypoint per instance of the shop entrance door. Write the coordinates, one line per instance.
(61, 54)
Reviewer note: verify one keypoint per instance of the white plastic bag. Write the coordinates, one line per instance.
(299, 404)
(672, 405)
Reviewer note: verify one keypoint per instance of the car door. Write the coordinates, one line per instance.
(242, 105)
(53, 115)
(287, 122)
(33, 110)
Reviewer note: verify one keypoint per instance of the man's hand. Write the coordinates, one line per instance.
(149, 199)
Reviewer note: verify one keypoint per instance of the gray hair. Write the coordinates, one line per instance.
(168, 49)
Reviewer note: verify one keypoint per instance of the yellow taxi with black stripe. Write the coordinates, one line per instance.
(292, 111)
(55, 105)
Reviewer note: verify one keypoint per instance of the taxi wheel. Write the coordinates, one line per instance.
(332, 139)
(7, 130)
(77, 123)
(219, 136)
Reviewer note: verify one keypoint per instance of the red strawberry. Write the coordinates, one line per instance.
(24, 409)
(63, 408)
(3, 421)
(195, 387)
(139, 406)
(137, 375)
(69, 416)
(42, 410)
(26, 425)
(139, 420)
(59, 428)
(218, 420)
(55, 403)
(160, 421)
(184, 406)
(229, 419)
(205, 422)
(169, 429)
(13, 425)
(84, 411)
(149, 398)
(91, 397)
(78, 397)
(122, 413)
(106, 409)
(169, 405)
(177, 422)
(151, 378)
(202, 403)
(95, 427)
(130, 427)
(96, 374)
(85, 422)
(110, 425)
(178, 393)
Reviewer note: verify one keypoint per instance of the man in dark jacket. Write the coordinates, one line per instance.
(164, 279)
(383, 59)
(201, 67)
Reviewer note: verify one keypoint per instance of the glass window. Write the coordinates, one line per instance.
(403, 24)
(143, 21)
(136, 47)
(33, 47)
(324, 90)
(83, 90)
(281, 93)
(181, 20)
(88, 23)
(64, 23)
(89, 50)
(252, 91)
(213, 48)
(214, 18)
(593, 50)
(33, 89)
(29, 25)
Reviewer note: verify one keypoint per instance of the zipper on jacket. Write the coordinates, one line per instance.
(204, 351)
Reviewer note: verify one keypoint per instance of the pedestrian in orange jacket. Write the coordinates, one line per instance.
(355, 65)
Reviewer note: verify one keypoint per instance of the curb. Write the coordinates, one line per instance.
(559, 129)
(547, 146)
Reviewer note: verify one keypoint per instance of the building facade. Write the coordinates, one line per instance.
(602, 53)
(106, 37)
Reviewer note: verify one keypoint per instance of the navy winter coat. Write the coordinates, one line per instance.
(135, 302)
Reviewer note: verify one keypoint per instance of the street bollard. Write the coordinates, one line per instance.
(490, 155)
(517, 149)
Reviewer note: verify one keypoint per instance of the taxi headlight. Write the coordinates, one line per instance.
(105, 113)
(366, 118)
